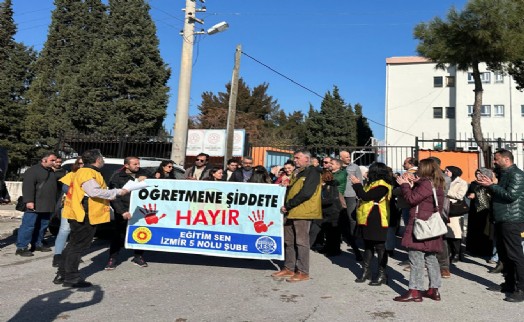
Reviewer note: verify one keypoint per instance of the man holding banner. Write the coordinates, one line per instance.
(303, 204)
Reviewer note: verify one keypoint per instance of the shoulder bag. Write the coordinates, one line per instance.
(431, 228)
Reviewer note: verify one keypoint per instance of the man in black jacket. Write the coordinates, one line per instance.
(243, 174)
(39, 194)
(130, 171)
(508, 214)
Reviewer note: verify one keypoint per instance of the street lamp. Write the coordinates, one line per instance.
(178, 150)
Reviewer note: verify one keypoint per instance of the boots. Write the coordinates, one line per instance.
(366, 264)
(382, 278)
(409, 296)
(56, 260)
(432, 293)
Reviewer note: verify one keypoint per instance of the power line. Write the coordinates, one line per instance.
(315, 93)
(289, 79)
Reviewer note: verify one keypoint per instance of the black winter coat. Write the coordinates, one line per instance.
(40, 186)
(118, 180)
(330, 203)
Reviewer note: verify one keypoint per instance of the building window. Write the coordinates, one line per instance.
(498, 110)
(437, 112)
(485, 110)
(522, 110)
(499, 77)
(450, 112)
(450, 81)
(484, 77)
(437, 81)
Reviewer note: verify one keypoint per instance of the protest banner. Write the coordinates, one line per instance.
(227, 219)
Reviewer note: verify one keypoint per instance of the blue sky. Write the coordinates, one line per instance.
(318, 44)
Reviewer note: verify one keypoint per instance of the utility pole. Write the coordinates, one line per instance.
(232, 110)
(178, 150)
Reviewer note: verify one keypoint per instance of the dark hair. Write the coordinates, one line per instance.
(505, 153)
(291, 162)
(128, 159)
(412, 161)
(212, 172)
(90, 156)
(260, 175)
(47, 155)
(437, 160)
(455, 172)
(76, 165)
(164, 175)
(231, 161)
(379, 171)
(428, 168)
(202, 154)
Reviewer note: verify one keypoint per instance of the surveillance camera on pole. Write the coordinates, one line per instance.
(221, 26)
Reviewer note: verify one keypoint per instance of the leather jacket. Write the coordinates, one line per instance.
(508, 196)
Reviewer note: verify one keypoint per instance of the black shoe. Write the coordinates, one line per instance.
(42, 248)
(59, 279)
(503, 288)
(79, 284)
(24, 252)
(56, 260)
(515, 297)
(454, 259)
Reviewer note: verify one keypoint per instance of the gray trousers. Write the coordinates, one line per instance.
(418, 261)
(296, 243)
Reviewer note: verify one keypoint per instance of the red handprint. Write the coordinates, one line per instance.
(258, 220)
(150, 214)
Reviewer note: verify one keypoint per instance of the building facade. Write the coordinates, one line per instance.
(436, 104)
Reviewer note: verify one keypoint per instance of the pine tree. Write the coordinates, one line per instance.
(55, 94)
(15, 76)
(124, 75)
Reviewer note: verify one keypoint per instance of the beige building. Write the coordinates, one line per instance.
(430, 103)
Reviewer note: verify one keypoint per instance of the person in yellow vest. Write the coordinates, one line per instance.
(86, 205)
(303, 204)
(373, 219)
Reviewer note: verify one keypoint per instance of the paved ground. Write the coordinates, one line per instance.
(181, 287)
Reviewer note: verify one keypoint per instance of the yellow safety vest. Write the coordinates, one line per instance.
(366, 207)
(98, 208)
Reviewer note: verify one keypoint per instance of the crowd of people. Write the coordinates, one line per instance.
(328, 200)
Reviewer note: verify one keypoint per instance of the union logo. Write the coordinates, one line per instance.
(142, 235)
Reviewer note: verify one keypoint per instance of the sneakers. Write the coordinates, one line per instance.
(24, 252)
(139, 261)
(111, 264)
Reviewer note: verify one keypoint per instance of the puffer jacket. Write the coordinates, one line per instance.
(508, 196)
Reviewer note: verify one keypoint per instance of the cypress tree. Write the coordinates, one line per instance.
(363, 130)
(55, 94)
(124, 75)
(15, 76)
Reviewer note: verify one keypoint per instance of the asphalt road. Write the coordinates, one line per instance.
(181, 287)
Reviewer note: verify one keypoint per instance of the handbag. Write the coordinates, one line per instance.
(431, 228)
(458, 208)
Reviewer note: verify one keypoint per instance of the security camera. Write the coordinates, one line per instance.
(221, 26)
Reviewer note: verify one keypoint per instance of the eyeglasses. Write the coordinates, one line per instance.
(200, 160)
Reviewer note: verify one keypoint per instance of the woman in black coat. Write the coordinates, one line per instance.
(330, 211)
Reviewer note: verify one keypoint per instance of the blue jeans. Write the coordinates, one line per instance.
(62, 236)
(26, 233)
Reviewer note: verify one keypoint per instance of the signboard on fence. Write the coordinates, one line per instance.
(213, 142)
(225, 219)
